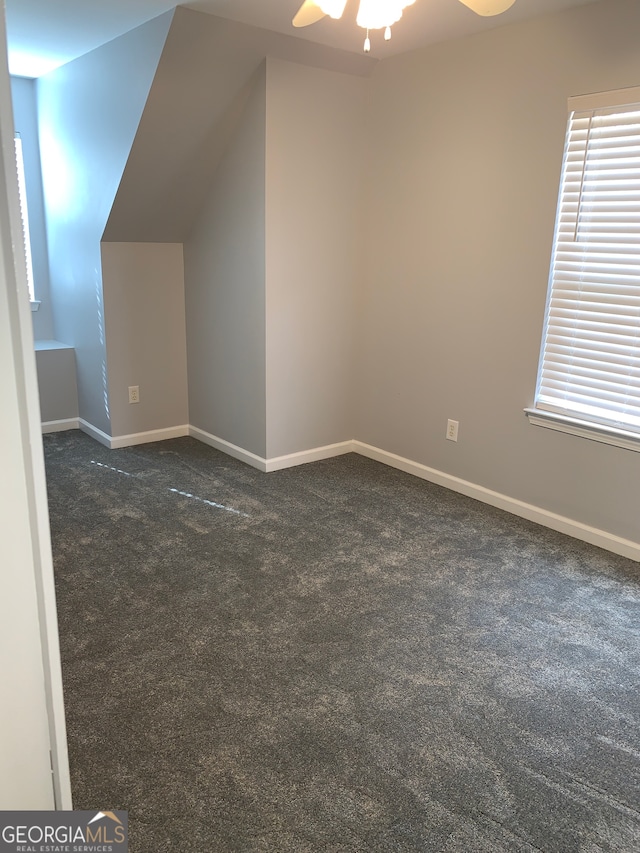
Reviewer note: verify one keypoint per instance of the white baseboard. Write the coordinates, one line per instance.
(231, 449)
(60, 426)
(277, 463)
(114, 442)
(94, 432)
(149, 436)
(592, 535)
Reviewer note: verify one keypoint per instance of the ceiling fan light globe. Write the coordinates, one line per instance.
(332, 8)
(487, 8)
(379, 14)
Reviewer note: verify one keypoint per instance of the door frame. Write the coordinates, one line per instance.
(32, 563)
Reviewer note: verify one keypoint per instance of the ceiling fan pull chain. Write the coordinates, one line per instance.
(367, 43)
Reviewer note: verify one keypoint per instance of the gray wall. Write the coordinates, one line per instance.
(466, 143)
(189, 117)
(315, 142)
(315, 314)
(145, 327)
(88, 114)
(271, 266)
(23, 94)
(224, 262)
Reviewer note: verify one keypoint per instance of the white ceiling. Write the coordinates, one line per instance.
(43, 34)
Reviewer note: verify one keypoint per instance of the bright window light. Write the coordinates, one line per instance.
(589, 371)
(24, 213)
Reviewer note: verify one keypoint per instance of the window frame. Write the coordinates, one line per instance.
(547, 414)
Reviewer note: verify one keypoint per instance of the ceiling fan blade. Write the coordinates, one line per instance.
(307, 14)
(488, 7)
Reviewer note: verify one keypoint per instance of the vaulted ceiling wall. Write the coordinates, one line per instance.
(195, 102)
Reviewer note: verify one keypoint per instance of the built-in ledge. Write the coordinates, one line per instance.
(56, 366)
(50, 345)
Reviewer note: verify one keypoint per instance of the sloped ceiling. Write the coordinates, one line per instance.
(44, 34)
(198, 93)
(426, 22)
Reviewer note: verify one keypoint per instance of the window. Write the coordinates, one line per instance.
(22, 191)
(589, 372)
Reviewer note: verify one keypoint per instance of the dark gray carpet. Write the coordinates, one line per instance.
(337, 657)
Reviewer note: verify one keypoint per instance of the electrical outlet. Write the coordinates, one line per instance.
(452, 430)
(134, 393)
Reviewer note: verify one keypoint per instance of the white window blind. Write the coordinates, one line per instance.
(26, 239)
(590, 361)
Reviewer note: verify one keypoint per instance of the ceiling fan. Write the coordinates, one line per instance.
(381, 14)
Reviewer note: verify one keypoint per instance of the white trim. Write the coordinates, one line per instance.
(60, 426)
(584, 429)
(117, 441)
(35, 304)
(576, 529)
(240, 453)
(592, 535)
(53, 776)
(147, 437)
(602, 100)
(94, 432)
(277, 463)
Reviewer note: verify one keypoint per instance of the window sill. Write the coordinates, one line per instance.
(584, 429)
(35, 304)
